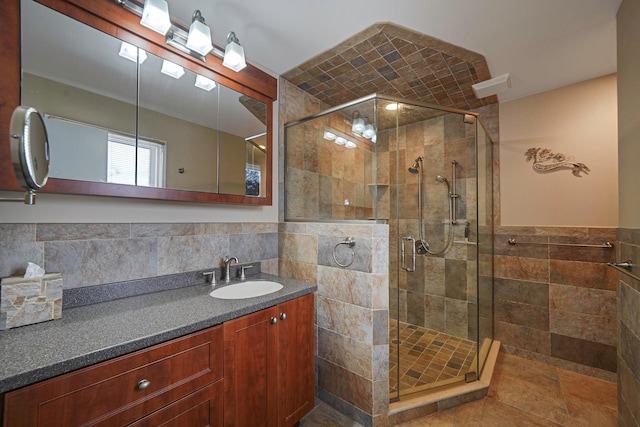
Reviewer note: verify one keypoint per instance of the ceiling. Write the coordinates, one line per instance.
(543, 44)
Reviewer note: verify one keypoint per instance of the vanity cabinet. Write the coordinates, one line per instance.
(256, 370)
(269, 366)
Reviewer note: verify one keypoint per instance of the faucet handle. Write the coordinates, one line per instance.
(242, 273)
(212, 273)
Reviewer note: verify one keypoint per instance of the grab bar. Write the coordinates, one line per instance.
(607, 245)
(624, 267)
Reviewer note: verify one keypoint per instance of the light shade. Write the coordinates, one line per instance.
(199, 39)
(357, 125)
(369, 131)
(340, 140)
(234, 54)
(350, 144)
(204, 83)
(155, 15)
(329, 136)
(171, 69)
(492, 86)
(132, 53)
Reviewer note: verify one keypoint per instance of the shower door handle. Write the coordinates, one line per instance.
(413, 253)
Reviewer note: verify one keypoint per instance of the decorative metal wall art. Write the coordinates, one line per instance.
(545, 160)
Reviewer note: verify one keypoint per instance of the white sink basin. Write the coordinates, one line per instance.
(248, 289)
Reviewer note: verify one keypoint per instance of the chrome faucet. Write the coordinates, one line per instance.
(227, 265)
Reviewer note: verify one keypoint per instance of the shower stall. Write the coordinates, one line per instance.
(426, 171)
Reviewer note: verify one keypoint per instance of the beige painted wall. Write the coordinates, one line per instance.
(580, 121)
(629, 113)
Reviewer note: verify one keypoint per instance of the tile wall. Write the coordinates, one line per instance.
(557, 304)
(352, 312)
(629, 331)
(95, 254)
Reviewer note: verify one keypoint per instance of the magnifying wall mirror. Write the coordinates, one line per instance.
(29, 151)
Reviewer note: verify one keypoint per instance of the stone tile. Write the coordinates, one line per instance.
(588, 353)
(298, 271)
(583, 300)
(361, 253)
(629, 390)
(522, 337)
(380, 398)
(599, 329)
(259, 227)
(532, 293)
(456, 317)
(380, 256)
(380, 327)
(188, 253)
(589, 389)
(346, 385)
(434, 312)
(582, 274)
(434, 276)
(139, 230)
(353, 287)
(629, 349)
(498, 414)
(253, 247)
(96, 262)
(298, 247)
(415, 308)
(325, 416)
(629, 300)
(522, 314)
(456, 279)
(219, 228)
(536, 270)
(54, 232)
(17, 247)
(348, 353)
(346, 319)
(414, 416)
(270, 266)
(380, 291)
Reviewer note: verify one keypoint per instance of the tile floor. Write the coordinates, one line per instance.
(426, 357)
(522, 393)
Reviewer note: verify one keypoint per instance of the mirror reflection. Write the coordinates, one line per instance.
(117, 114)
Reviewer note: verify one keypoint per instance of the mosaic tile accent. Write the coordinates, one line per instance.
(393, 60)
(427, 357)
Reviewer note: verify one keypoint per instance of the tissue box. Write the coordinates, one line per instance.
(27, 301)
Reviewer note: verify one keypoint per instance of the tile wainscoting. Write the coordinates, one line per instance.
(557, 304)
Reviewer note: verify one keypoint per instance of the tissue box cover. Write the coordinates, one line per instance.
(27, 301)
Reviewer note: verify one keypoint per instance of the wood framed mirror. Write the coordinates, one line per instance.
(121, 127)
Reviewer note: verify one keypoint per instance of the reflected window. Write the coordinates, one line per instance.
(252, 180)
(150, 161)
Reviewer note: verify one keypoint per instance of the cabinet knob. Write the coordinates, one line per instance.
(274, 320)
(142, 384)
(283, 316)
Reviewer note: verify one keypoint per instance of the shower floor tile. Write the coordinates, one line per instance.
(426, 357)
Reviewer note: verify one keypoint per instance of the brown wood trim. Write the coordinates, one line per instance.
(109, 17)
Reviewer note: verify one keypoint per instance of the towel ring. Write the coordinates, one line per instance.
(349, 242)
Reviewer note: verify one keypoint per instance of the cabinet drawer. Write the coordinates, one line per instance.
(113, 392)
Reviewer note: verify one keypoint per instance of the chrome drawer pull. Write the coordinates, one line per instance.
(274, 320)
(283, 316)
(142, 384)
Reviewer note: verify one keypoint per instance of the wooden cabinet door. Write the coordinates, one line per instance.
(250, 370)
(296, 338)
(200, 409)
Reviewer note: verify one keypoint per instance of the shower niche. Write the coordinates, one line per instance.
(426, 171)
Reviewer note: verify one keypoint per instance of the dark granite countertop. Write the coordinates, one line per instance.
(94, 333)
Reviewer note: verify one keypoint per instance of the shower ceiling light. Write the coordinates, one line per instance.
(171, 69)
(199, 39)
(155, 15)
(234, 53)
(391, 107)
(340, 140)
(132, 53)
(204, 83)
(350, 144)
(329, 136)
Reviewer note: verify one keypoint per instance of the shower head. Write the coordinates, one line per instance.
(416, 165)
(441, 178)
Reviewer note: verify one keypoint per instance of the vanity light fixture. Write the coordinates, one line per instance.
(199, 39)
(329, 136)
(171, 69)
(369, 130)
(132, 53)
(204, 83)
(340, 141)
(196, 42)
(357, 123)
(350, 144)
(234, 53)
(155, 15)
